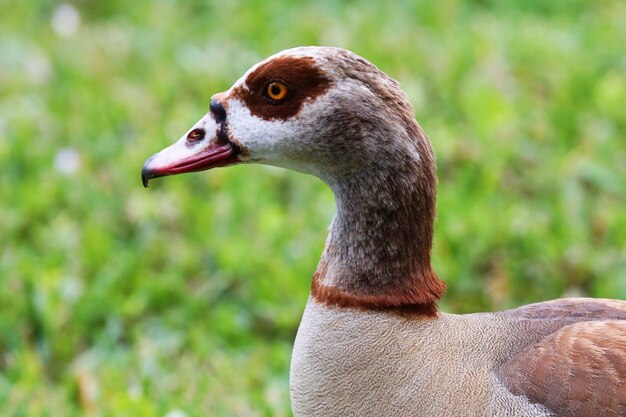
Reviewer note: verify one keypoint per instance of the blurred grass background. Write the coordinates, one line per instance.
(183, 300)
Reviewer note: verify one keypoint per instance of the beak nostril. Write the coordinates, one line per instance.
(218, 111)
(196, 135)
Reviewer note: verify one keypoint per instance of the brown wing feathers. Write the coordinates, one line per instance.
(577, 371)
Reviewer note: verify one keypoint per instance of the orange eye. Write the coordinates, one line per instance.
(276, 91)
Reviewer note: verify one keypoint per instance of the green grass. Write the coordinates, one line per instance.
(120, 301)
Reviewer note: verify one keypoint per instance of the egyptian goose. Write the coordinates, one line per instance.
(371, 341)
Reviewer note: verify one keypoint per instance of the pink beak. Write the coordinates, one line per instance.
(205, 146)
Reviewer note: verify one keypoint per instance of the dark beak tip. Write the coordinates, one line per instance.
(146, 173)
(144, 180)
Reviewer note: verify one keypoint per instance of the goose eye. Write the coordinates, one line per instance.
(195, 135)
(276, 91)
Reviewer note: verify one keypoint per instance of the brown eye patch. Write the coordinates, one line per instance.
(301, 78)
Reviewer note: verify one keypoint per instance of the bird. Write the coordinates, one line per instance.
(372, 340)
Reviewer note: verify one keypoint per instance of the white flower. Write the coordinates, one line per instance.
(65, 20)
(176, 413)
(67, 161)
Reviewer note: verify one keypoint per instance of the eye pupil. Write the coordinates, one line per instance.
(276, 91)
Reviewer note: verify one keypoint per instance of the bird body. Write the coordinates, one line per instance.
(372, 341)
(349, 362)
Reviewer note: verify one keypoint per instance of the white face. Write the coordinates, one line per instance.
(280, 143)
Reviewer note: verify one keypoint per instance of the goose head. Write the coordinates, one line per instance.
(310, 109)
(330, 113)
